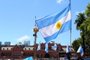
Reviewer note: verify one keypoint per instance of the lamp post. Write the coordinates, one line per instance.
(35, 30)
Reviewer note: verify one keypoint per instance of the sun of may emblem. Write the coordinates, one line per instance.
(58, 25)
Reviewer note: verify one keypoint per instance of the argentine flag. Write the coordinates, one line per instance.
(68, 49)
(28, 58)
(80, 50)
(50, 26)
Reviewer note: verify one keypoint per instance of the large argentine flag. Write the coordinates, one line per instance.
(50, 26)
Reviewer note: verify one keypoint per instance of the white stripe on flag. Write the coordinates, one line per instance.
(50, 30)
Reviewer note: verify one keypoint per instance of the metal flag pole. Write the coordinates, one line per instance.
(70, 25)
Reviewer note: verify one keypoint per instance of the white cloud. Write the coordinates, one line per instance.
(79, 12)
(59, 1)
(24, 38)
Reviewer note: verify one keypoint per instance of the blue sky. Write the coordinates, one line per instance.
(17, 19)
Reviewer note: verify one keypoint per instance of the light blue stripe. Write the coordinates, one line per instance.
(29, 58)
(47, 39)
(51, 19)
(65, 27)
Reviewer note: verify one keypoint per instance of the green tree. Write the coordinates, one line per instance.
(83, 24)
(87, 11)
(76, 44)
(80, 19)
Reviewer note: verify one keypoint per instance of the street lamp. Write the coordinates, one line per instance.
(35, 30)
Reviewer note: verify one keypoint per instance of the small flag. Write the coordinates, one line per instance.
(46, 47)
(80, 50)
(51, 26)
(68, 49)
(28, 58)
(54, 47)
(68, 53)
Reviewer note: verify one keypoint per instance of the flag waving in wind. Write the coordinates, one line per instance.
(80, 50)
(50, 26)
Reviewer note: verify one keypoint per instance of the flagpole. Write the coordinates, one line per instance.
(70, 26)
(35, 30)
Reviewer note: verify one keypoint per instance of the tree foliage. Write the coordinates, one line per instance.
(76, 44)
(87, 11)
(83, 24)
(80, 19)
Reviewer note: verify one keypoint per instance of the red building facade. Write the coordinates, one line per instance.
(21, 51)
